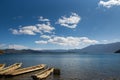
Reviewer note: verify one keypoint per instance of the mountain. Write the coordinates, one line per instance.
(33, 51)
(118, 51)
(21, 51)
(100, 48)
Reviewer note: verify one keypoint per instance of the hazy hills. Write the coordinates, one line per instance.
(101, 48)
(98, 48)
(118, 51)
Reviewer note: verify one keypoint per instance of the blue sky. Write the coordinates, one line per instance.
(57, 24)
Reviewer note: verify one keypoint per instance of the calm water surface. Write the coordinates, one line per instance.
(73, 66)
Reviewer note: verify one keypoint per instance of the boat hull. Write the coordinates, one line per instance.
(25, 70)
(44, 74)
(10, 68)
(2, 66)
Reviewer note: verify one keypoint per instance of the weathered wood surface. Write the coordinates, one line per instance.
(2, 66)
(25, 70)
(10, 68)
(43, 74)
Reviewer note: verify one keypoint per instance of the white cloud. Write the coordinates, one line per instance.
(32, 30)
(41, 42)
(109, 3)
(2, 46)
(70, 22)
(87, 40)
(46, 28)
(45, 36)
(68, 41)
(43, 19)
(37, 49)
(71, 41)
(18, 47)
(29, 30)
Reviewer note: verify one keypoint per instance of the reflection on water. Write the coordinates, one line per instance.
(72, 66)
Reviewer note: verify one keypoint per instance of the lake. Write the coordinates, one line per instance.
(73, 66)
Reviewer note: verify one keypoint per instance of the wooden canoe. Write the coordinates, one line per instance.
(2, 66)
(25, 70)
(42, 75)
(10, 68)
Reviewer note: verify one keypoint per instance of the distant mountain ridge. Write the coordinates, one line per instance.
(118, 51)
(21, 51)
(107, 48)
(32, 51)
(98, 48)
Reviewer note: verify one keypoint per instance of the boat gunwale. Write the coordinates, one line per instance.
(29, 69)
(2, 66)
(37, 76)
(13, 65)
(9, 68)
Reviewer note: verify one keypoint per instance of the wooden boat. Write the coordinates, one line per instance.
(10, 68)
(44, 74)
(25, 70)
(2, 66)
